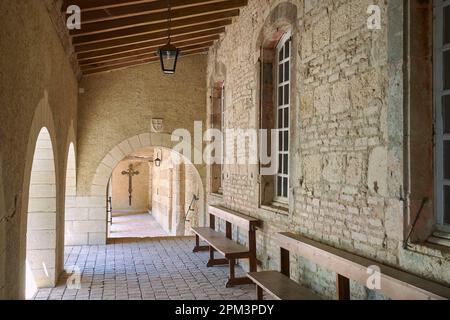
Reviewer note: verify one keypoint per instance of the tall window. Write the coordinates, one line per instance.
(218, 118)
(283, 115)
(222, 129)
(442, 102)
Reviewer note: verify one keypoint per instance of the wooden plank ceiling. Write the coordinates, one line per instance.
(117, 34)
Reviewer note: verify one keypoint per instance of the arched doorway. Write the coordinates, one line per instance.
(152, 193)
(41, 218)
(93, 230)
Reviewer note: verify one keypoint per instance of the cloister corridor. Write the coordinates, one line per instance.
(224, 150)
(146, 269)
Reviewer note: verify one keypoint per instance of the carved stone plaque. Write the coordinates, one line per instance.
(157, 125)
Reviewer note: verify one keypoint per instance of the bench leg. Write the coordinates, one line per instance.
(198, 247)
(342, 287)
(215, 262)
(233, 281)
(259, 293)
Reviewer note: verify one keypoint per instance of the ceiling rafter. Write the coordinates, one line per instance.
(229, 6)
(121, 33)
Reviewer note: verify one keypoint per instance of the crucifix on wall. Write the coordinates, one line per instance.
(130, 173)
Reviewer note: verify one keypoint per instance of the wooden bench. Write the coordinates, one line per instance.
(224, 244)
(395, 284)
(279, 284)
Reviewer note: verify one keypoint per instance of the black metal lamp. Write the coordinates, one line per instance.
(168, 54)
(158, 160)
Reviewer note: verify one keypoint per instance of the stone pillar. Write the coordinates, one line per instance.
(179, 199)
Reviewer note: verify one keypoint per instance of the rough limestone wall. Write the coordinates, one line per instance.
(33, 68)
(118, 105)
(163, 207)
(140, 188)
(347, 152)
(115, 119)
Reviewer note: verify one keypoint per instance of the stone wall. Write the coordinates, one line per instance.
(163, 193)
(174, 186)
(121, 104)
(346, 133)
(38, 89)
(120, 185)
(115, 119)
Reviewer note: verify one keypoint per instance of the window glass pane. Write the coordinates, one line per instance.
(286, 71)
(446, 71)
(446, 34)
(286, 141)
(280, 163)
(286, 117)
(281, 55)
(280, 73)
(280, 96)
(446, 113)
(447, 160)
(285, 164)
(279, 186)
(287, 49)
(280, 118)
(285, 187)
(280, 140)
(447, 205)
(286, 94)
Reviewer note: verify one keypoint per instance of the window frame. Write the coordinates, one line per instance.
(222, 127)
(439, 93)
(287, 37)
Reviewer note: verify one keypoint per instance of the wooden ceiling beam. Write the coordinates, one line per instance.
(178, 35)
(136, 57)
(153, 21)
(183, 48)
(152, 18)
(90, 5)
(138, 9)
(153, 44)
(92, 44)
(128, 64)
(225, 17)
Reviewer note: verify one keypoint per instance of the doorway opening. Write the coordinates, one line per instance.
(151, 194)
(41, 219)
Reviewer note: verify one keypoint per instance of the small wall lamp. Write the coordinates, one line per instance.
(158, 160)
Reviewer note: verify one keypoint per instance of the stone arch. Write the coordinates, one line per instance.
(70, 185)
(93, 230)
(39, 204)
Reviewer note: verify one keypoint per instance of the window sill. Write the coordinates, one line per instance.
(216, 195)
(276, 207)
(430, 249)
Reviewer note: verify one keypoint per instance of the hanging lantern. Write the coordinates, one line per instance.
(168, 54)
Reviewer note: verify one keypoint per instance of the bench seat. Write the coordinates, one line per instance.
(281, 286)
(223, 245)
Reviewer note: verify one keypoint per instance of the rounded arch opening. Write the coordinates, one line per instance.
(92, 230)
(41, 218)
(148, 198)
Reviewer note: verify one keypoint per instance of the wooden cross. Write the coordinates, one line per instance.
(130, 173)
